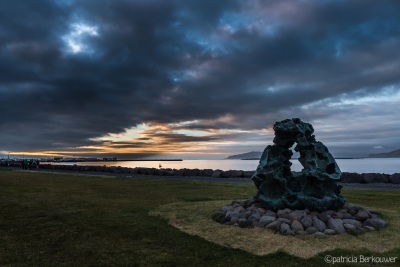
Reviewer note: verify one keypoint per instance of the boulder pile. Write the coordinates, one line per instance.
(367, 178)
(346, 176)
(152, 171)
(351, 219)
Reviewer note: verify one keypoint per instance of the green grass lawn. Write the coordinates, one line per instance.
(49, 219)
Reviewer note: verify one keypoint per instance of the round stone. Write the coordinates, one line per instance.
(320, 225)
(323, 217)
(306, 221)
(246, 215)
(234, 219)
(301, 233)
(337, 215)
(311, 230)
(297, 226)
(296, 215)
(347, 216)
(284, 220)
(285, 228)
(255, 217)
(337, 225)
(348, 226)
(361, 215)
(356, 223)
(290, 232)
(276, 225)
(369, 228)
(231, 214)
(329, 232)
(318, 234)
(270, 213)
(375, 223)
(265, 220)
(261, 210)
(283, 214)
(239, 209)
(328, 212)
(218, 216)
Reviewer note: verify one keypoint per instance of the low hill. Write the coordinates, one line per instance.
(392, 154)
(248, 155)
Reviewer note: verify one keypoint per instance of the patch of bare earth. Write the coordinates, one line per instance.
(195, 218)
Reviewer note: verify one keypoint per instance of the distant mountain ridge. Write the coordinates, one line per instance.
(392, 154)
(248, 155)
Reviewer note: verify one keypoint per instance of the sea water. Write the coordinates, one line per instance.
(362, 165)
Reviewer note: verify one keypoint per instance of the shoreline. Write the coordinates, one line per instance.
(366, 186)
(347, 177)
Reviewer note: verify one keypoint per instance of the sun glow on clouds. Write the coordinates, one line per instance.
(151, 133)
(183, 138)
(128, 134)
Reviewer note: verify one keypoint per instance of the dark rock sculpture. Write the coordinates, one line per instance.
(306, 203)
(314, 188)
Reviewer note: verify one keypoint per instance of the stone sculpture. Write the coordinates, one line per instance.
(306, 203)
(314, 188)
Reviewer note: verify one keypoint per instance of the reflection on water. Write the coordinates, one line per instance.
(387, 165)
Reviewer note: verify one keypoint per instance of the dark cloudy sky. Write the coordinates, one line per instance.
(196, 79)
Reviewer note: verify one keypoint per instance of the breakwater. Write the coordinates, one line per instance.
(347, 177)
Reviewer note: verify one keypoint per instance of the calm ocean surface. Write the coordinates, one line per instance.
(373, 165)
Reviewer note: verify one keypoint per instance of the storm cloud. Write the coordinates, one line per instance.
(77, 75)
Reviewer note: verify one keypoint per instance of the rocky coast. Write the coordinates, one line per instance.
(347, 177)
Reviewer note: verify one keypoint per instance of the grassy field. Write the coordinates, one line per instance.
(49, 219)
